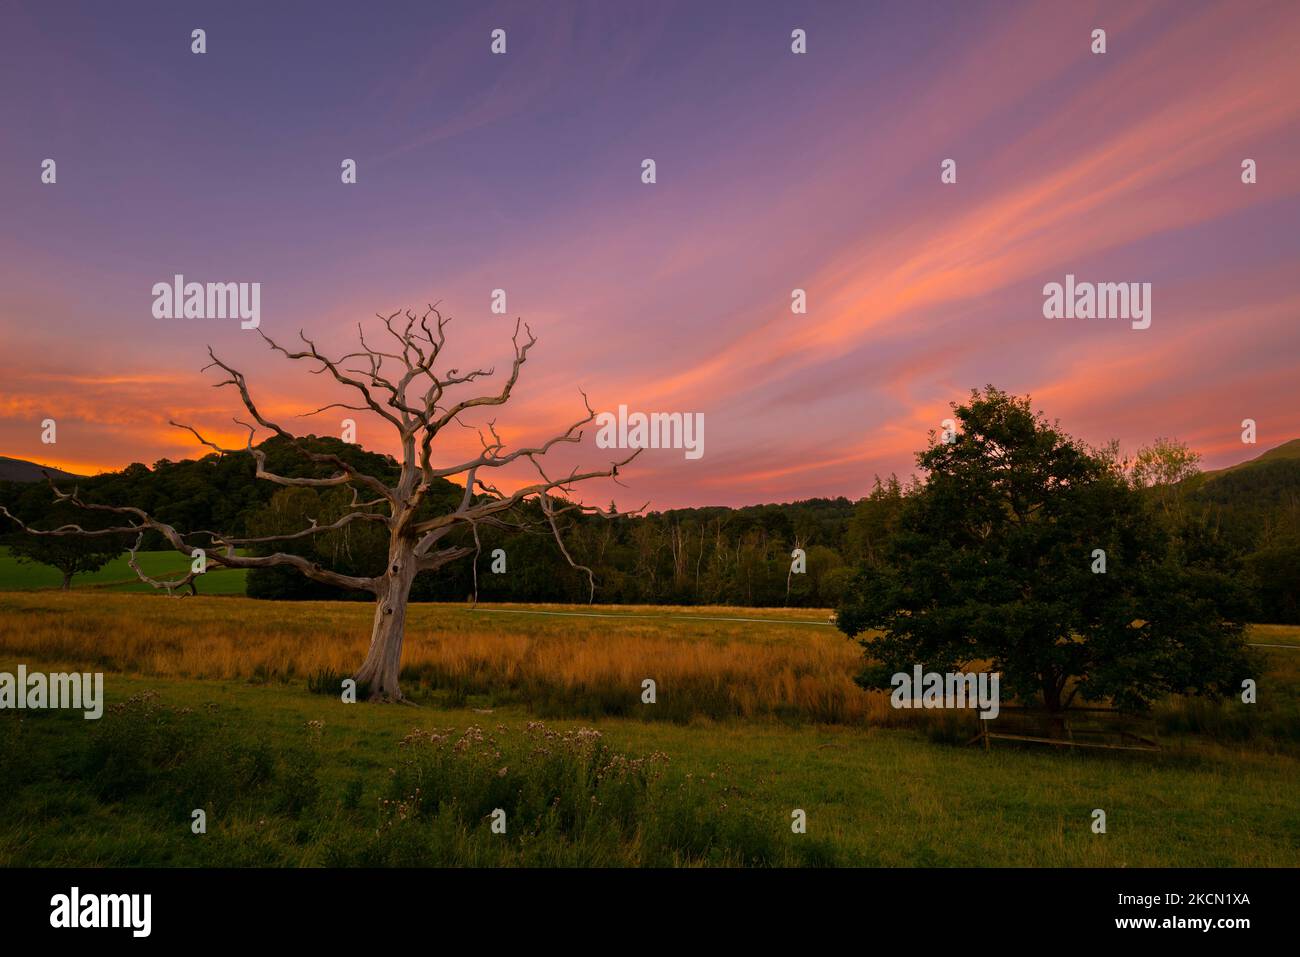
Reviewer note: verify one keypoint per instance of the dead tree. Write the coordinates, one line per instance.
(417, 402)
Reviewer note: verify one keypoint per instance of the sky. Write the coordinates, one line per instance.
(775, 171)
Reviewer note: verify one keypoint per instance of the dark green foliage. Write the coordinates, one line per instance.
(326, 682)
(709, 555)
(992, 560)
(1256, 507)
(1276, 574)
(70, 554)
(142, 750)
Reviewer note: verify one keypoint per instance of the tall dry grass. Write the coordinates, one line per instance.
(556, 665)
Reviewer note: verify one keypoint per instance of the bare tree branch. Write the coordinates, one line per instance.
(400, 385)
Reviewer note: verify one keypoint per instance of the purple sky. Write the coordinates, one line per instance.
(775, 171)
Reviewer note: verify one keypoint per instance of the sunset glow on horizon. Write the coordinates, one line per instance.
(775, 172)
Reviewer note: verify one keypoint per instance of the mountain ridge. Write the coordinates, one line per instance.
(22, 470)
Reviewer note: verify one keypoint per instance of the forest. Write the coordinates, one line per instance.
(691, 556)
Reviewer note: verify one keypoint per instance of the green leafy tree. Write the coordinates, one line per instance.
(1277, 576)
(71, 555)
(874, 520)
(1164, 467)
(995, 559)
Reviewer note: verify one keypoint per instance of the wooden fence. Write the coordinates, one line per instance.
(1105, 728)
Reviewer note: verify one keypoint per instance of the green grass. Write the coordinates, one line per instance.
(282, 793)
(117, 575)
(294, 778)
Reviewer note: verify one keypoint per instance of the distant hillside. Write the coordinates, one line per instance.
(1287, 451)
(1259, 489)
(20, 470)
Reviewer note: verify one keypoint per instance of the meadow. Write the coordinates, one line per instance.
(232, 705)
(117, 575)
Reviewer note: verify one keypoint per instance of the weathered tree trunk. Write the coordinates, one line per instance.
(67, 581)
(1052, 688)
(1051, 693)
(383, 664)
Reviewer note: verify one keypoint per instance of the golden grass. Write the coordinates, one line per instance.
(790, 665)
(587, 664)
